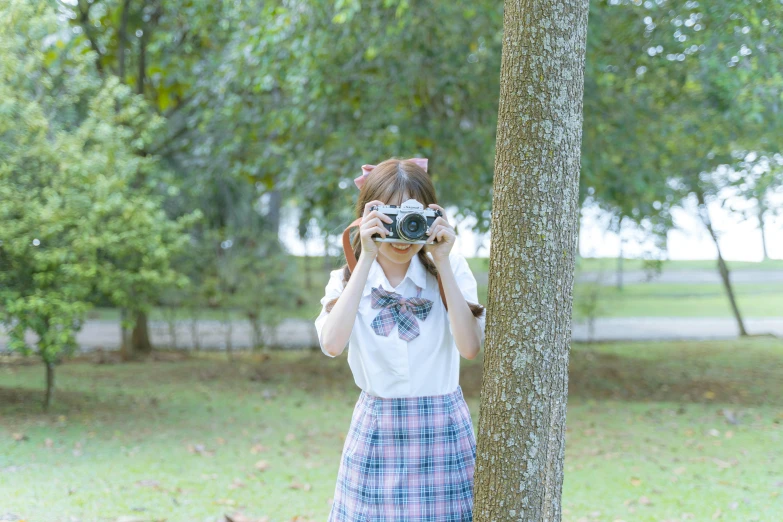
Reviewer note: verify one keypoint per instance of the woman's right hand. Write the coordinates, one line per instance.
(372, 223)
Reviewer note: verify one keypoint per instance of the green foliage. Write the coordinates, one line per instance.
(673, 91)
(295, 99)
(77, 193)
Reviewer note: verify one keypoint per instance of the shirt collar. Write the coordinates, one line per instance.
(417, 273)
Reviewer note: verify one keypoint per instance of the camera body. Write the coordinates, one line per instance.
(410, 222)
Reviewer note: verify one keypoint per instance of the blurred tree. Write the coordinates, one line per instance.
(404, 79)
(293, 98)
(696, 84)
(757, 177)
(74, 201)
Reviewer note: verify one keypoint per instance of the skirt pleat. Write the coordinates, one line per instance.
(407, 459)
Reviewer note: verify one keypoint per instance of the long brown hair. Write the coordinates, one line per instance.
(396, 178)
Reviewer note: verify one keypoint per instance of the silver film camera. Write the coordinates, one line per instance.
(410, 222)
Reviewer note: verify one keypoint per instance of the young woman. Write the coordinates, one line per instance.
(407, 314)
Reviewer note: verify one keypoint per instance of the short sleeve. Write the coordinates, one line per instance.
(468, 285)
(332, 291)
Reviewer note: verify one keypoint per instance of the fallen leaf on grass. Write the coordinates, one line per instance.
(257, 448)
(299, 485)
(730, 417)
(645, 501)
(722, 464)
(48, 443)
(236, 484)
(226, 502)
(19, 437)
(200, 449)
(717, 514)
(290, 437)
(262, 465)
(635, 481)
(148, 483)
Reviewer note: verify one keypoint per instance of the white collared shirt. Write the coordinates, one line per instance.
(389, 366)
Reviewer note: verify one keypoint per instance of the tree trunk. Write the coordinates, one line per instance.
(122, 42)
(126, 352)
(229, 333)
(535, 216)
(140, 337)
(308, 269)
(723, 269)
(255, 324)
(273, 212)
(49, 385)
(327, 258)
(194, 335)
(762, 211)
(142, 61)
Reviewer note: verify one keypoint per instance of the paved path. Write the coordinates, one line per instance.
(294, 333)
(609, 277)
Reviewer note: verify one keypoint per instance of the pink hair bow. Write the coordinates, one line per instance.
(366, 169)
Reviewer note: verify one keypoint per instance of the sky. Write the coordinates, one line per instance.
(740, 239)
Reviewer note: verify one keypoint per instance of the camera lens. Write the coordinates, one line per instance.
(413, 227)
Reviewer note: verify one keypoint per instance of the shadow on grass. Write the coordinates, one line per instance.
(746, 373)
(26, 401)
(743, 373)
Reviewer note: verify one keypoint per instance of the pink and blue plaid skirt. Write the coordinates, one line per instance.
(407, 459)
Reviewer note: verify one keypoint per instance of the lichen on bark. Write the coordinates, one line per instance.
(521, 428)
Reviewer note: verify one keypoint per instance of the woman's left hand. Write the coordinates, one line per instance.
(441, 236)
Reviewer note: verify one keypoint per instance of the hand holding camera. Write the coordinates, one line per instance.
(442, 237)
(408, 223)
(371, 226)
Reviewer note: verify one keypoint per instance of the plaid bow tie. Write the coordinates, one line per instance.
(400, 311)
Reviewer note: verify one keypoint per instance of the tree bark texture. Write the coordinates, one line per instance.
(535, 219)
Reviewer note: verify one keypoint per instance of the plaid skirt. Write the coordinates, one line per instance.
(407, 459)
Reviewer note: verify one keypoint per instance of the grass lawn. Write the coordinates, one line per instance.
(685, 300)
(690, 431)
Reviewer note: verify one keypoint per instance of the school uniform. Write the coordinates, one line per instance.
(410, 451)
